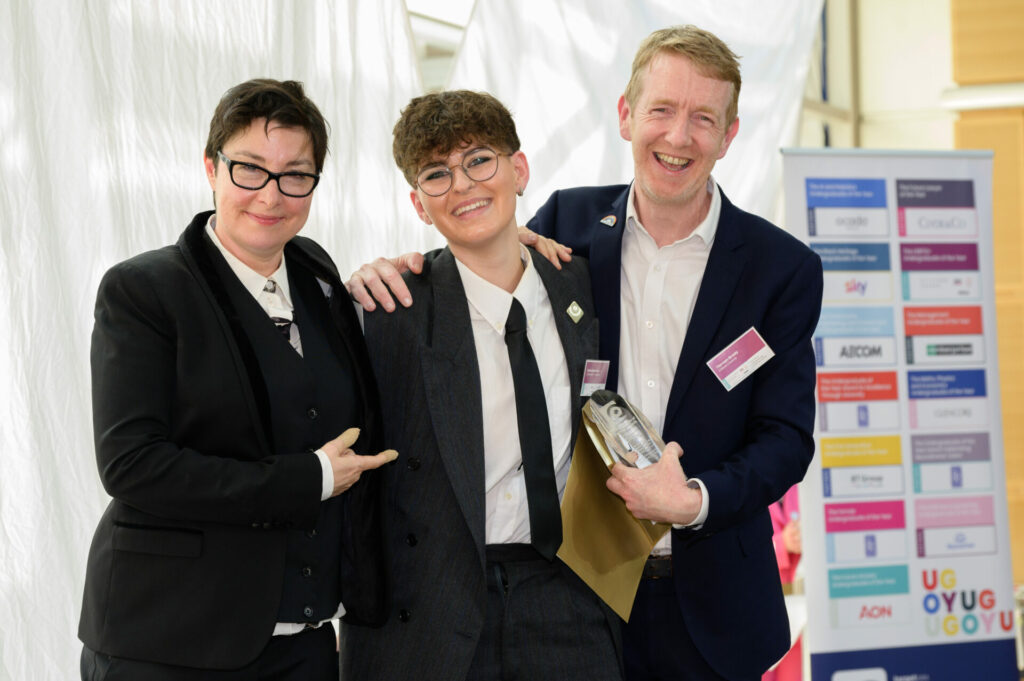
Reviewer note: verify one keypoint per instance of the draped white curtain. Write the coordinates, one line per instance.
(560, 66)
(104, 110)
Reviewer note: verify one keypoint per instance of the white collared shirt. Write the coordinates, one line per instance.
(507, 512)
(276, 302)
(659, 289)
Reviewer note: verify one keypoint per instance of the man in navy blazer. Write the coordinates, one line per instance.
(679, 275)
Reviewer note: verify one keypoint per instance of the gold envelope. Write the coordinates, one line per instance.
(601, 540)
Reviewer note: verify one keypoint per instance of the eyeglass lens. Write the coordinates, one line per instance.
(253, 177)
(479, 165)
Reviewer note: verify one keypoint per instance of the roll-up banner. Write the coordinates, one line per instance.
(904, 520)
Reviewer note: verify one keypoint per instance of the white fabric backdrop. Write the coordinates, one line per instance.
(560, 66)
(104, 109)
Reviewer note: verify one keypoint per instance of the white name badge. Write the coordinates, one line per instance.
(595, 376)
(740, 359)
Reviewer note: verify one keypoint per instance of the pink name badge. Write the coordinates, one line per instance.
(739, 359)
(595, 375)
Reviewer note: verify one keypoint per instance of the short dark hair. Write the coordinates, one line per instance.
(437, 123)
(282, 102)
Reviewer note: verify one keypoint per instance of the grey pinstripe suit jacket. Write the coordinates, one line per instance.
(426, 367)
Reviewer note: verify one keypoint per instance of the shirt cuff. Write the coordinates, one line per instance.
(327, 477)
(702, 514)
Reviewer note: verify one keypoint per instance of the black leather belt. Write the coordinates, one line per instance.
(511, 553)
(658, 567)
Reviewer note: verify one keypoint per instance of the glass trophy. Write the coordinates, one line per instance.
(627, 434)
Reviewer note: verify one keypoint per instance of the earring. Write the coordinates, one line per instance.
(520, 191)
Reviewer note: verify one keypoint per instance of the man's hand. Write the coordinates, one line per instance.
(370, 283)
(658, 492)
(549, 248)
(347, 465)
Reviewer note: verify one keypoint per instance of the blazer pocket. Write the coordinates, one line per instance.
(158, 541)
(756, 534)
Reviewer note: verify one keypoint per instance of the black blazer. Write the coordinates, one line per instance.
(426, 365)
(748, 445)
(187, 561)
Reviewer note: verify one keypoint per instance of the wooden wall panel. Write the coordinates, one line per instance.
(1002, 130)
(987, 41)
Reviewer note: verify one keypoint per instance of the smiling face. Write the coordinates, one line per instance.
(254, 225)
(678, 128)
(474, 216)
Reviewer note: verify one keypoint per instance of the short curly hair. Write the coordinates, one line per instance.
(282, 102)
(440, 122)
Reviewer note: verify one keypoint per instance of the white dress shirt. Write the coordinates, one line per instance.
(507, 511)
(659, 289)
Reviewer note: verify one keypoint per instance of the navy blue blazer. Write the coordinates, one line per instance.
(748, 445)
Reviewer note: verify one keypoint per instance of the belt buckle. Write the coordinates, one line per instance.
(658, 567)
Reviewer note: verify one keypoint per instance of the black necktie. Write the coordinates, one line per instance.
(534, 437)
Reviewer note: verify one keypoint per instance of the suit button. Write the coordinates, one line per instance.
(311, 534)
(307, 571)
(414, 463)
(403, 615)
(312, 413)
(307, 611)
(411, 540)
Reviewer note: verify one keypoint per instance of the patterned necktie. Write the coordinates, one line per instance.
(284, 327)
(284, 324)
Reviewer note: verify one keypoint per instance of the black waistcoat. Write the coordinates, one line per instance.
(313, 398)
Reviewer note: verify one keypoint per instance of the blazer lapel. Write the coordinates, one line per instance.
(579, 338)
(725, 265)
(211, 272)
(451, 377)
(606, 282)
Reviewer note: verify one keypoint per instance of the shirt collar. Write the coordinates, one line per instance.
(705, 230)
(493, 302)
(253, 281)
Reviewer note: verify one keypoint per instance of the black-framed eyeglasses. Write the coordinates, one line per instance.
(479, 164)
(251, 176)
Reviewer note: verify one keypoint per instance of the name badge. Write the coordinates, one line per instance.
(595, 375)
(740, 359)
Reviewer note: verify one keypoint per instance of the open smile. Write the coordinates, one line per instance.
(673, 163)
(471, 206)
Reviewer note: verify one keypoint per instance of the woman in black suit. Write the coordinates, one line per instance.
(224, 369)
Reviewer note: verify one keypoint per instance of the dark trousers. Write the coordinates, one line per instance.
(655, 643)
(308, 656)
(542, 622)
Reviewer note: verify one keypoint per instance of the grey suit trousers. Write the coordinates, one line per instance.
(541, 622)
